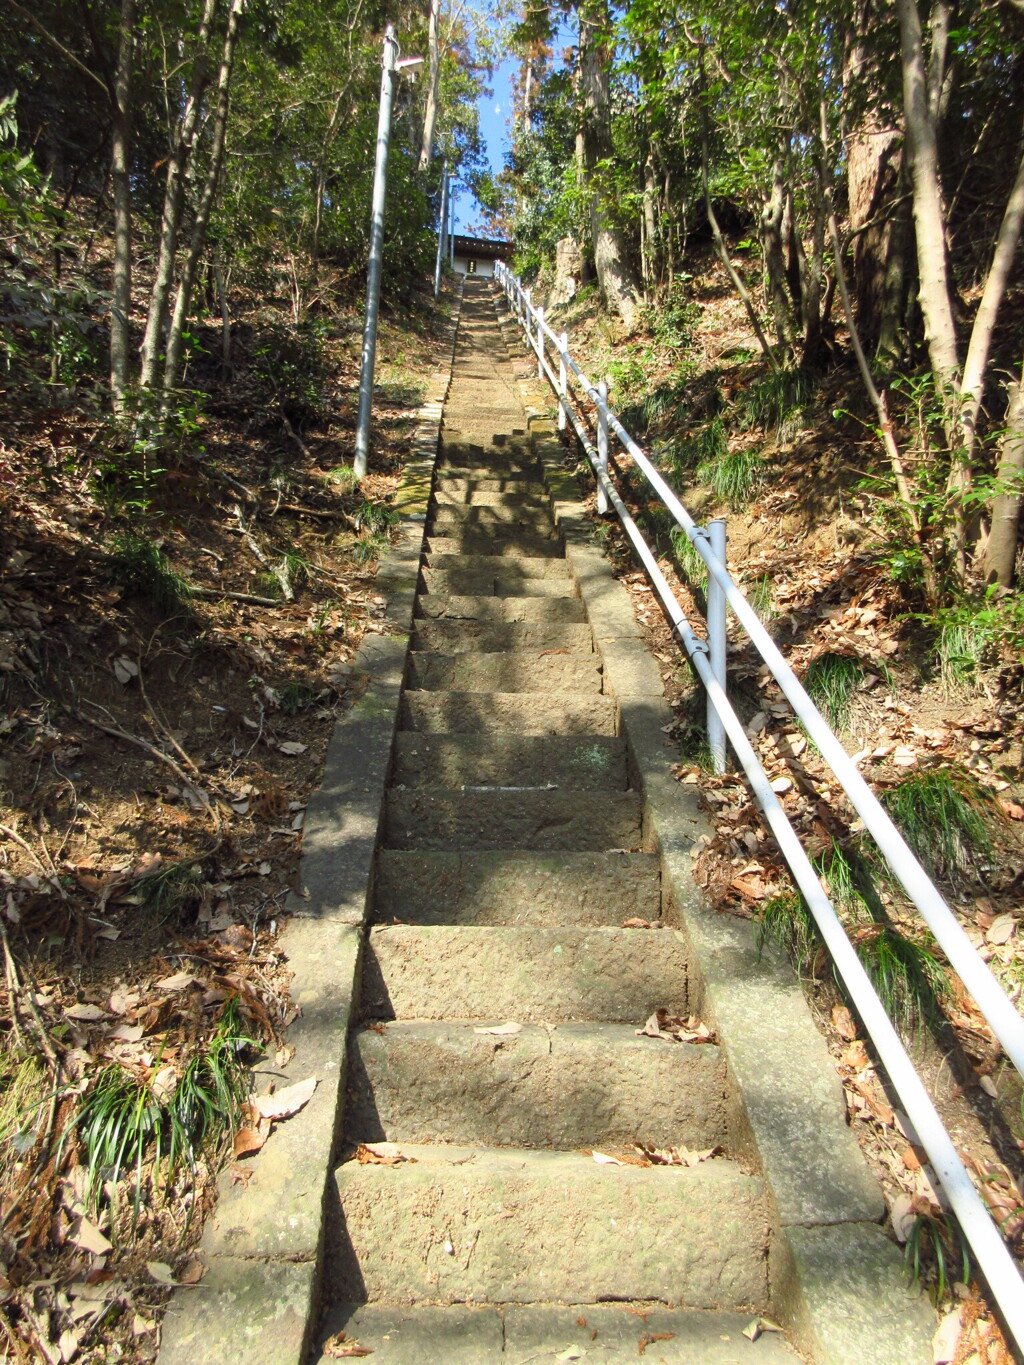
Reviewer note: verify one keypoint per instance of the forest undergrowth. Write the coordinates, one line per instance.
(178, 621)
(928, 701)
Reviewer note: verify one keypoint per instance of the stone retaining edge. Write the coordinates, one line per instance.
(837, 1281)
(263, 1244)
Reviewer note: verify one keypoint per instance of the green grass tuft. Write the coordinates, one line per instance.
(910, 980)
(831, 681)
(785, 921)
(693, 567)
(776, 402)
(140, 566)
(760, 596)
(937, 1239)
(344, 477)
(943, 815)
(734, 477)
(173, 889)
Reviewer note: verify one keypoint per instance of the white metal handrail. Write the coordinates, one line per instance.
(990, 1251)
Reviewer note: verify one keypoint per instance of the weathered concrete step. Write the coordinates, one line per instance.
(515, 543)
(539, 566)
(470, 497)
(504, 582)
(584, 762)
(486, 637)
(459, 514)
(615, 1333)
(530, 1226)
(531, 975)
(485, 481)
(428, 817)
(504, 887)
(520, 713)
(466, 607)
(578, 1085)
(491, 466)
(512, 671)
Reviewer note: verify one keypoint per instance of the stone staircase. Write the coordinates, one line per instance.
(512, 854)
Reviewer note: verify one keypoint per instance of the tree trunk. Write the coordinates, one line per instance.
(813, 350)
(430, 112)
(120, 176)
(174, 199)
(1001, 549)
(175, 337)
(611, 259)
(772, 219)
(898, 280)
(650, 251)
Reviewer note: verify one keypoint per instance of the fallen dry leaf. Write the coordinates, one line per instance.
(286, 1102)
(676, 1156)
(292, 748)
(192, 1271)
(178, 982)
(1001, 930)
(86, 1014)
(603, 1159)
(343, 1347)
(510, 1026)
(162, 1273)
(675, 1029)
(249, 1140)
(649, 1338)
(380, 1154)
(87, 1236)
(842, 1021)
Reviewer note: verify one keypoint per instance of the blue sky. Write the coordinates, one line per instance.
(494, 113)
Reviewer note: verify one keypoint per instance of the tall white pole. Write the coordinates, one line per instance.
(387, 86)
(442, 228)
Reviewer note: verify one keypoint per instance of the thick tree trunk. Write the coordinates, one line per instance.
(175, 336)
(892, 329)
(1001, 549)
(174, 199)
(120, 175)
(430, 112)
(611, 258)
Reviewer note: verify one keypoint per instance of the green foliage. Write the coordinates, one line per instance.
(734, 477)
(785, 921)
(172, 890)
(289, 366)
(139, 565)
(776, 401)
(975, 632)
(693, 567)
(831, 681)
(24, 1089)
(909, 979)
(345, 478)
(944, 814)
(123, 1122)
(295, 697)
(759, 594)
(936, 1240)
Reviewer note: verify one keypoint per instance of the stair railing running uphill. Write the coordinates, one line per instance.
(572, 388)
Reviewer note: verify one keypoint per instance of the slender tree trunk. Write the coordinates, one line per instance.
(1001, 549)
(120, 176)
(321, 175)
(175, 336)
(650, 251)
(772, 219)
(813, 351)
(611, 259)
(220, 277)
(898, 276)
(430, 112)
(174, 199)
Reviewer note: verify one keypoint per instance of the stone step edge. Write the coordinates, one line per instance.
(789, 1097)
(263, 1244)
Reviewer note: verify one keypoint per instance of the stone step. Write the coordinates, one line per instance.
(530, 975)
(465, 607)
(520, 713)
(517, 545)
(526, 566)
(505, 887)
(471, 497)
(616, 1334)
(577, 1085)
(504, 582)
(459, 514)
(512, 671)
(428, 817)
(458, 1224)
(591, 762)
(487, 637)
(485, 481)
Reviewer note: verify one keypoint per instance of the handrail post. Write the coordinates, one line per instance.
(602, 445)
(527, 310)
(716, 642)
(563, 381)
(540, 343)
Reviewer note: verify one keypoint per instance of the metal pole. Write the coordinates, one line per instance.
(387, 84)
(540, 343)
(716, 642)
(451, 229)
(563, 381)
(442, 224)
(602, 444)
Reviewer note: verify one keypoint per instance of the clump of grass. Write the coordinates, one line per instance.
(937, 1238)
(375, 517)
(123, 1123)
(693, 567)
(943, 815)
(703, 447)
(785, 921)
(344, 477)
(910, 980)
(831, 681)
(734, 477)
(367, 548)
(759, 595)
(139, 565)
(24, 1088)
(172, 889)
(295, 697)
(776, 401)
(850, 876)
(962, 646)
